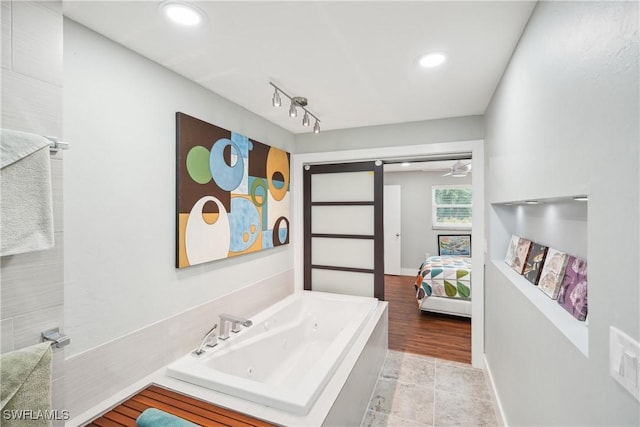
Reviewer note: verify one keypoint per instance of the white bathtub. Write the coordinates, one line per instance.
(289, 354)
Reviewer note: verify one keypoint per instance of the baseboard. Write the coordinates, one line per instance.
(502, 420)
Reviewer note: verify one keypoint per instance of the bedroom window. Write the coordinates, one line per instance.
(451, 207)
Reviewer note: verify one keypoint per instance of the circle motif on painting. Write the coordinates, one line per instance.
(244, 222)
(277, 168)
(227, 177)
(197, 163)
(281, 232)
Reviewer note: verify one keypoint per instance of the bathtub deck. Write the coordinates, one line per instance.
(196, 411)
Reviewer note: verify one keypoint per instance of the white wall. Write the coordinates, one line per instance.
(32, 284)
(563, 122)
(119, 114)
(466, 128)
(418, 235)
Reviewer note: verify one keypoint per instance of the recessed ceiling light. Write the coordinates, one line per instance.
(182, 13)
(531, 202)
(432, 60)
(406, 164)
(581, 198)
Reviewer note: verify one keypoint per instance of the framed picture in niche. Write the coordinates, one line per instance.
(511, 250)
(535, 261)
(521, 254)
(573, 290)
(552, 273)
(454, 244)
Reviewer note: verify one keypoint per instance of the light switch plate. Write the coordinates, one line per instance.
(624, 360)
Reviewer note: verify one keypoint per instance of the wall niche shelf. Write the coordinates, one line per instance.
(559, 223)
(577, 332)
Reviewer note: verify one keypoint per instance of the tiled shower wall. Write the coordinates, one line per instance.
(32, 284)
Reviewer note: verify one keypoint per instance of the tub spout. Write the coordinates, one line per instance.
(209, 340)
(232, 323)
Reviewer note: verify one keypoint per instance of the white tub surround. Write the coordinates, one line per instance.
(127, 359)
(287, 357)
(343, 401)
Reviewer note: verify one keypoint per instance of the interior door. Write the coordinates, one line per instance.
(392, 229)
(343, 228)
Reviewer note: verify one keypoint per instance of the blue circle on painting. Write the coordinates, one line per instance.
(244, 224)
(226, 177)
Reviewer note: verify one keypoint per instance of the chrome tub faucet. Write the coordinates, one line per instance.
(209, 340)
(232, 323)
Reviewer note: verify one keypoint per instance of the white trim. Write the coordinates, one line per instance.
(475, 147)
(501, 419)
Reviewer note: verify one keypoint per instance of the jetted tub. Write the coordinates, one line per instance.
(289, 354)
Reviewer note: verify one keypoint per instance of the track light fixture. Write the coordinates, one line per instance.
(296, 102)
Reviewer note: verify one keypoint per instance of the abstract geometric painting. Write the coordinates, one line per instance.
(232, 193)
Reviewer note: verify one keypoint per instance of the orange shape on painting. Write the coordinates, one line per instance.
(277, 162)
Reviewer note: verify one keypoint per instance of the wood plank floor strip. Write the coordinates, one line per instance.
(126, 411)
(248, 420)
(429, 334)
(104, 422)
(211, 414)
(182, 413)
(186, 407)
(121, 419)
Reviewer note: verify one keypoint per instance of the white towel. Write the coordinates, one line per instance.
(26, 205)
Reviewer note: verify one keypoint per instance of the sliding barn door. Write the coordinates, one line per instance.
(343, 229)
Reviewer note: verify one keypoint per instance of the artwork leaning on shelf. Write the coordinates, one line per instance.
(560, 276)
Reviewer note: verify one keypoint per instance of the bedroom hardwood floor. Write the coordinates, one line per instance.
(414, 331)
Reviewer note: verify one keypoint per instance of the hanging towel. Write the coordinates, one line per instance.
(152, 417)
(26, 205)
(25, 386)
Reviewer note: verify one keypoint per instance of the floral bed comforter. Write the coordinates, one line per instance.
(444, 276)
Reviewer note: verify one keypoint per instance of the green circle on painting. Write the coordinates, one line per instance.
(198, 164)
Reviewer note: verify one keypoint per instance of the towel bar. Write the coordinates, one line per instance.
(56, 144)
(59, 340)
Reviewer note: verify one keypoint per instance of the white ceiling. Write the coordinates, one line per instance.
(356, 62)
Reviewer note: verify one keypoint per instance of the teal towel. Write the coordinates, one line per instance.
(25, 386)
(153, 417)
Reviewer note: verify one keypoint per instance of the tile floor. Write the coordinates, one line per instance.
(416, 391)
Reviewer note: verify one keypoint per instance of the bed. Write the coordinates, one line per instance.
(443, 285)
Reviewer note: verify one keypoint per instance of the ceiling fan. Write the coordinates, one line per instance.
(459, 169)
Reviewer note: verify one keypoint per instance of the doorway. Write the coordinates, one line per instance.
(389, 154)
(392, 229)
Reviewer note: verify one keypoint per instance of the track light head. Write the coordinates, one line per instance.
(316, 127)
(293, 112)
(276, 99)
(305, 119)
